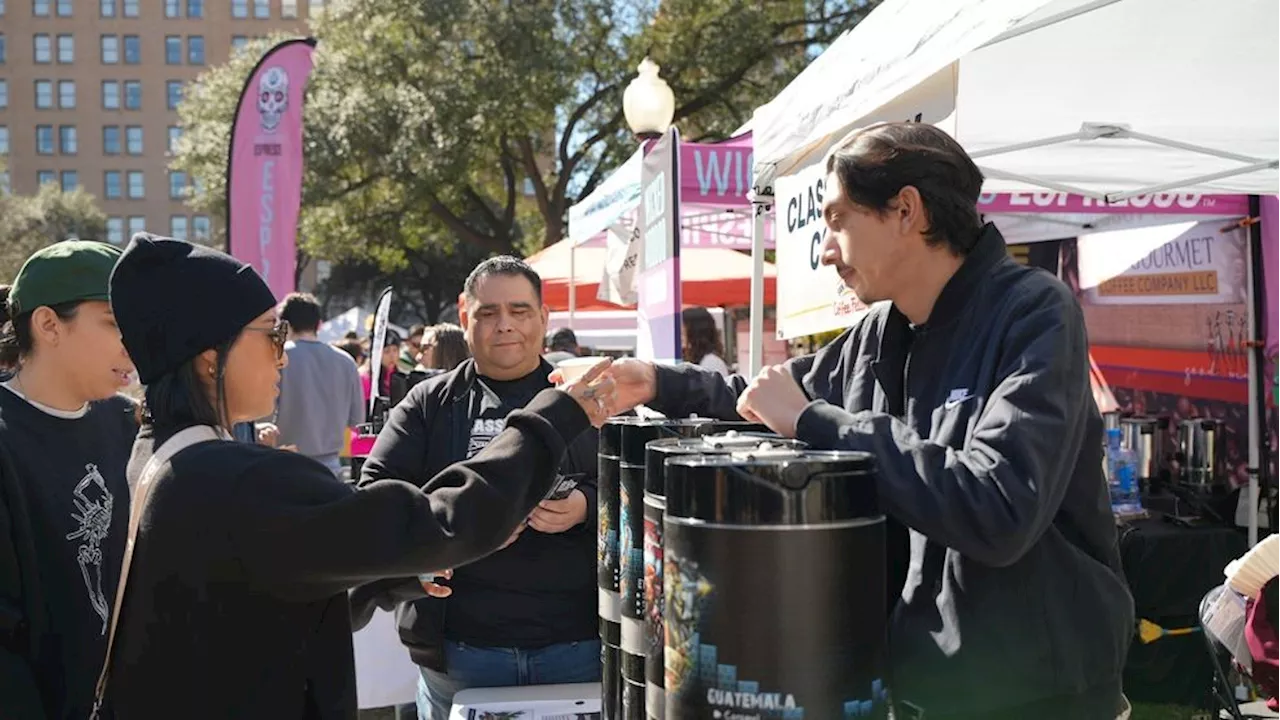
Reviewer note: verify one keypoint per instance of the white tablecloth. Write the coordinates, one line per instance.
(385, 675)
(533, 702)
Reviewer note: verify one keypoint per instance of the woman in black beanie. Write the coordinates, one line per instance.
(234, 604)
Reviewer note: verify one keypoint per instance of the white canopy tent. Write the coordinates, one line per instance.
(1109, 99)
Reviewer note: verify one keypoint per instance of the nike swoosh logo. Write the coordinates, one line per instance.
(955, 403)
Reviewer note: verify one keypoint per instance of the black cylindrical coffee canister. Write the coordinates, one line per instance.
(632, 700)
(657, 452)
(774, 586)
(607, 570)
(635, 435)
(610, 670)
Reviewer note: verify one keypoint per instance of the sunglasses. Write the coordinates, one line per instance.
(279, 335)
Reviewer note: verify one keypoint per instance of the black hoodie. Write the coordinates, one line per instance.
(989, 448)
(236, 603)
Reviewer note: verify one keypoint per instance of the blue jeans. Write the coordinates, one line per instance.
(477, 667)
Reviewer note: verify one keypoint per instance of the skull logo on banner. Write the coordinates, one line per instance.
(273, 97)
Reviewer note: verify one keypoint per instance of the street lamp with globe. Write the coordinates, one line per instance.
(648, 103)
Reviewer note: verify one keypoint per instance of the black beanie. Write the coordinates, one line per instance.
(174, 300)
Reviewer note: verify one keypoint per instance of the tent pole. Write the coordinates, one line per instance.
(1254, 291)
(756, 353)
(573, 277)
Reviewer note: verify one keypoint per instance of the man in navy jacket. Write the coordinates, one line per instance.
(968, 380)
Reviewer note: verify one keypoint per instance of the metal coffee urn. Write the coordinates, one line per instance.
(657, 452)
(1203, 453)
(635, 435)
(1143, 436)
(774, 586)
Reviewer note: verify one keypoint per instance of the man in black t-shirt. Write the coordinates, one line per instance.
(525, 615)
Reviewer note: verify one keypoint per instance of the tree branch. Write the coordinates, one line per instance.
(460, 228)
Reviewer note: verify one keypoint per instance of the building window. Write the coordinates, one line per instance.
(40, 8)
(173, 50)
(46, 177)
(172, 8)
(175, 134)
(44, 139)
(240, 9)
(137, 224)
(4, 140)
(173, 91)
(44, 94)
(115, 230)
(195, 8)
(289, 8)
(110, 95)
(195, 50)
(133, 94)
(132, 50)
(64, 8)
(5, 187)
(137, 188)
(200, 227)
(131, 8)
(70, 180)
(111, 184)
(108, 8)
(66, 49)
(262, 9)
(3, 51)
(178, 227)
(133, 140)
(110, 49)
(177, 184)
(315, 6)
(4, 93)
(110, 139)
(238, 42)
(43, 49)
(67, 94)
(68, 140)
(1, 8)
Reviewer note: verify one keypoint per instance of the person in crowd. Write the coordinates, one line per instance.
(320, 389)
(411, 349)
(234, 603)
(968, 380)
(703, 341)
(562, 345)
(526, 614)
(65, 436)
(6, 366)
(448, 344)
(444, 347)
(352, 347)
(392, 384)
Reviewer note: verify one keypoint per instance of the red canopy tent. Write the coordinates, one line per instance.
(711, 277)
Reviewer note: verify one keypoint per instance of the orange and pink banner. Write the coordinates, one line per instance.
(264, 164)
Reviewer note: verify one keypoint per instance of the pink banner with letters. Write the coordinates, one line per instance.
(264, 167)
(716, 174)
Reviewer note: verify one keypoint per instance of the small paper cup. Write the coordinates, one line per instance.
(574, 368)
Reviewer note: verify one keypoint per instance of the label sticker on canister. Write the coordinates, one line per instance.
(774, 621)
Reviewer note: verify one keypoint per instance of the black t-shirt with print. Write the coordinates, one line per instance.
(538, 591)
(66, 497)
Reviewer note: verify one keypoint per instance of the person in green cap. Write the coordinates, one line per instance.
(65, 440)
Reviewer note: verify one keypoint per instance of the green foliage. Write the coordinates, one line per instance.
(480, 122)
(30, 223)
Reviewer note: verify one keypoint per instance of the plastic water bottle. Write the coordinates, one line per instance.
(1122, 476)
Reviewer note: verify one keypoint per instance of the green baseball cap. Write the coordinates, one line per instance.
(63, 272)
